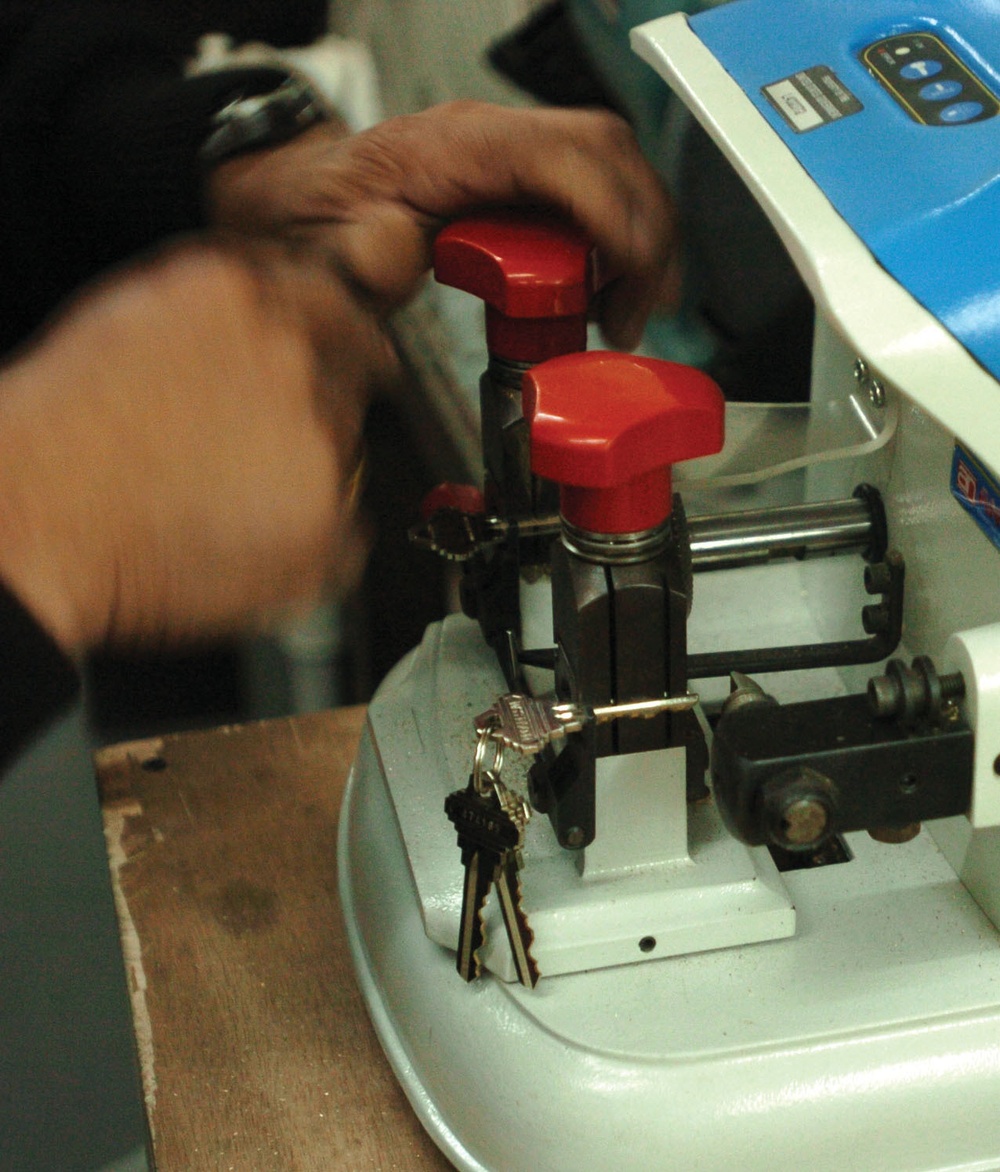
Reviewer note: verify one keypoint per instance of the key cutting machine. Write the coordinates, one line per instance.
(740, 663)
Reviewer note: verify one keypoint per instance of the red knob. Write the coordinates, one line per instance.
(465, 498)
(534, 271)
(607, 427)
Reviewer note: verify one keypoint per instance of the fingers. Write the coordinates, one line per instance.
(350, 343)
(371, 204)
(352, 357)
(189, 432)
(463, 155)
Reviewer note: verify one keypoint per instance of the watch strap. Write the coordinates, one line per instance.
(251, 121)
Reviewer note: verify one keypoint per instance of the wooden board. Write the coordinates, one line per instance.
(255, 1046)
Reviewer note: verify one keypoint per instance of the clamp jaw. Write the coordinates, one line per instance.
(607, 428)
(535, 275)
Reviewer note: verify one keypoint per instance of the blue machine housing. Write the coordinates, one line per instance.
(924, 199)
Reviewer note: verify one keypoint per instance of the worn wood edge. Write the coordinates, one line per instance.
(121, 810)
(115, 824)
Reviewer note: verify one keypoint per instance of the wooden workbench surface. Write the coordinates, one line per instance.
(256, 1050)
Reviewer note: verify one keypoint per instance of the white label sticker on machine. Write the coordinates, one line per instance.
(811, 98)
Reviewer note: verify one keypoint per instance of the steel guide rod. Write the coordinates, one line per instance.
(722, 541)
(727, 540)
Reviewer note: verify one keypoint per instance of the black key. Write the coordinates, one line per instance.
(486, 833)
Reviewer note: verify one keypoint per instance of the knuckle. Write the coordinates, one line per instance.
(616, 131)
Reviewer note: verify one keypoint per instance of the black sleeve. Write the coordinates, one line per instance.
(37, 681)
(99, 137)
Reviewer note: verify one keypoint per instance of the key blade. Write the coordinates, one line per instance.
(645, 708)
(519, 933)
(480, 870)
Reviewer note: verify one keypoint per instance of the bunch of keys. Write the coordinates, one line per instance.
(490, 820)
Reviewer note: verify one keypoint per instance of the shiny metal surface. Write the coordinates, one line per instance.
(726, 540)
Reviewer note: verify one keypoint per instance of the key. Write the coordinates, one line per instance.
(526, 724)
(458, 535)
(508, 885)
(486, 834)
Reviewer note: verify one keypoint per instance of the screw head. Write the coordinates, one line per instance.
(874, 387)
(574, 838)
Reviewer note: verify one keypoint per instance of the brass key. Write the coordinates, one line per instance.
(508, 885)
(527, 725)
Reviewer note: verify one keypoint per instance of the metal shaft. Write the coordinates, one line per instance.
(726, 540)
(722, 541)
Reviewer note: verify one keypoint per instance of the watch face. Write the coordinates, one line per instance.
(261, 120)
(246, 107)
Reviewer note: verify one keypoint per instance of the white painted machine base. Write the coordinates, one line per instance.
(870, 1039)
(649, 888)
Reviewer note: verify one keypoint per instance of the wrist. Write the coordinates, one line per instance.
(48, 551)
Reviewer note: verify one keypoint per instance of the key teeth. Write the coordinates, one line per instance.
(477, 964)
(534, 974)
(520, 935)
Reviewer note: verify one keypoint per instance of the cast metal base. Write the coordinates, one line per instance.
(869, 1039)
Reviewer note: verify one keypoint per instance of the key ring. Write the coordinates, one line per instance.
(486, 738)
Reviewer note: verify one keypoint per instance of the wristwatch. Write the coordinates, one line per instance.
(248, 123)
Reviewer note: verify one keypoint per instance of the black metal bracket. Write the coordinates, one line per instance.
(883, 622)
(796, 774)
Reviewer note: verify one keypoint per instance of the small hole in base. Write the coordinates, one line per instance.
(909, 783)
(996, 765)
(155, 764)
(647, 944)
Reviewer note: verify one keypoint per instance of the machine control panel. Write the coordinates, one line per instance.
(926, 78)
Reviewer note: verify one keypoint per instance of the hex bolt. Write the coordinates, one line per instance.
(878, 578)
(804, 821)
(798, 808)
(874, 618)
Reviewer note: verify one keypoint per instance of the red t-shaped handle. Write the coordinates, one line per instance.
(607, 427)
(535, 272)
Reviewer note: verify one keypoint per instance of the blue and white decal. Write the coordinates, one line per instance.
(977, 491)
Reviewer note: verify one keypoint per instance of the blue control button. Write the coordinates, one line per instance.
(961, 112)
(940, 91)
(915, 70)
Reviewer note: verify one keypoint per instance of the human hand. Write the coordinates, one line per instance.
(372, 203)
(177, 453)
